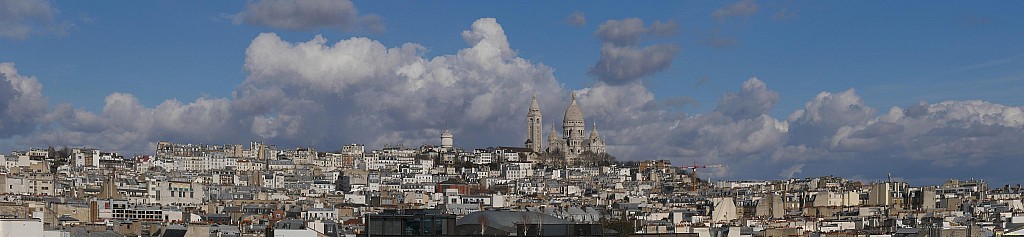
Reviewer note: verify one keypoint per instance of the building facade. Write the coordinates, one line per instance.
(573, 140)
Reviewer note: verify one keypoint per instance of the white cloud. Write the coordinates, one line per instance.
(300, 15)
(637, 128)
(21, 18)
(623, 60)
(837, 128)
(947, 133)
(360, 84)
(126, 125)
(825, 114)
(624, 64)
(752, 101)
(832, 130)
(21, 102)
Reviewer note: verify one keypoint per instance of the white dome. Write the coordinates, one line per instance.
(573, 113)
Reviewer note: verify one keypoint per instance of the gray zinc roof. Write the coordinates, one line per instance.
(507, 220)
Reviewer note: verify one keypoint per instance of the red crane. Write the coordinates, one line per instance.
(693, 172)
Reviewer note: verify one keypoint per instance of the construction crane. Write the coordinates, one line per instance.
(693, 172)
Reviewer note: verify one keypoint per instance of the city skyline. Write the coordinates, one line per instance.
(767, 89)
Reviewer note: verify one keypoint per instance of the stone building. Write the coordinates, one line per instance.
(572, 141)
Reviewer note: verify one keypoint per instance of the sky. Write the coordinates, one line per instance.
(926, 91)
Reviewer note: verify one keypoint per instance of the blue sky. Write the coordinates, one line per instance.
(87, 55)
(894, 53)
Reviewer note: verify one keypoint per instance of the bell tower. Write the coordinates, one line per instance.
(534, 126)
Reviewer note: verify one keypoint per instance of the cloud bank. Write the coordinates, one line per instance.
(327, 93)
(323, 94)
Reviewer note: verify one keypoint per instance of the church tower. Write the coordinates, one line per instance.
(534, 127)
(572, 128)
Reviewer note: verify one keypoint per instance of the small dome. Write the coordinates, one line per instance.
(553, 135)
(593, 134)
(573, 113)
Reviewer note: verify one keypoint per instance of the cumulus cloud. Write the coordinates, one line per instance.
(719, 136)
(576, 18)
(623, 60)
(21, 102)
(832, 130)
(741, 8)
(324, 94)
(363, 85)
(126, 125)
(947, 133)
(752, 101)
(300, 15)
(821, 117)
(638, 127)
(21, 18)
(837, 128)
